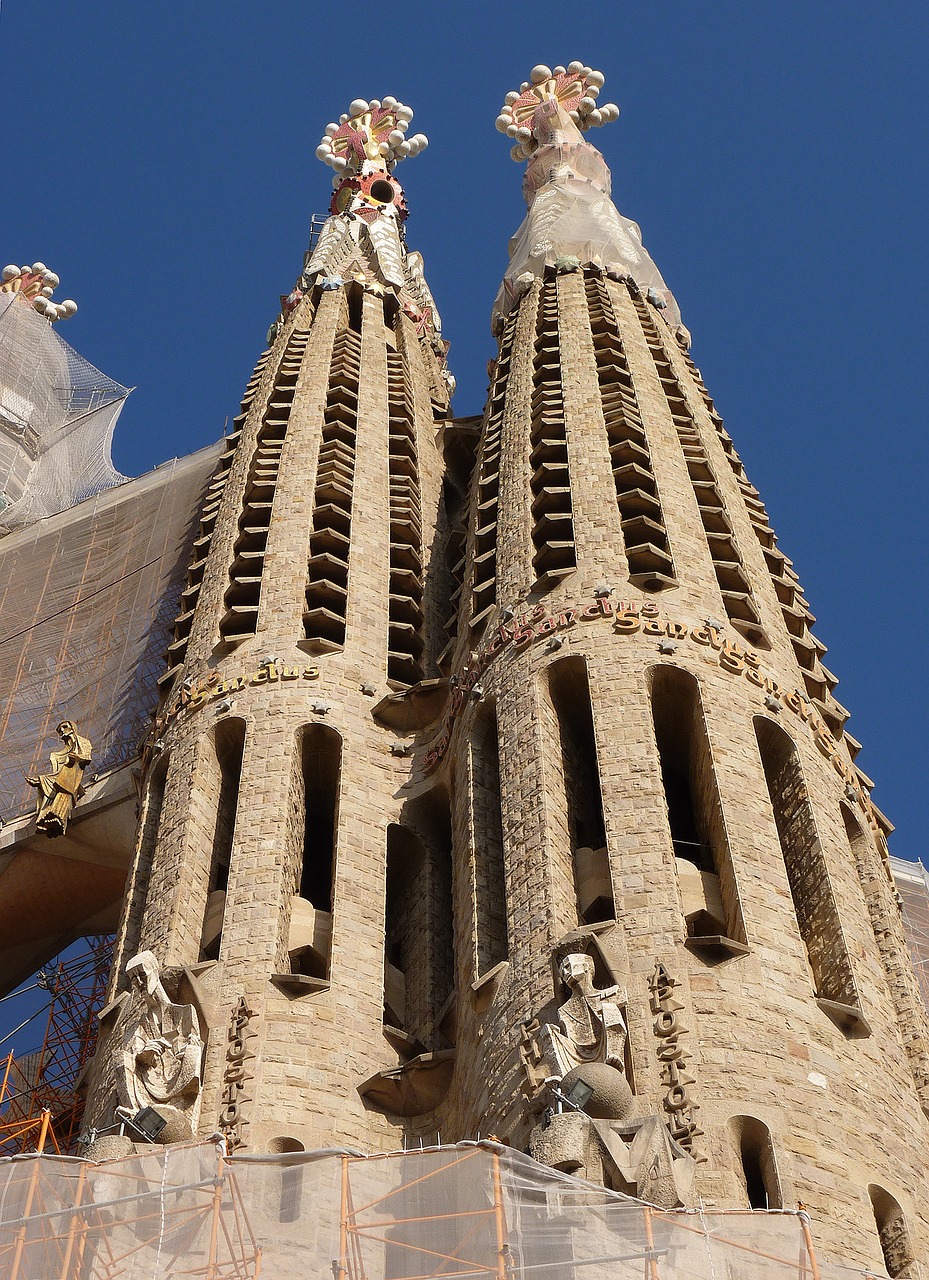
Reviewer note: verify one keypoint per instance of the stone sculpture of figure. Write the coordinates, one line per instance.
(590, 1026)
(59, 791)
(161, 1051)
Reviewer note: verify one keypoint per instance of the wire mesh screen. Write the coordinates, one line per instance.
(473, 1210)
(87, 601)
(57, 415)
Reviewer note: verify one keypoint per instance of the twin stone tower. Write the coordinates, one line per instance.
(498, 785)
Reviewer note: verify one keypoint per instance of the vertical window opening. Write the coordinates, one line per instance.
(757, 1162)
(311, 919)
(712, 912)
(570, 693)
(810, 888)
(489, 881)
(899, 1258)
(291, 1176)
(418, 961)
(228, 744)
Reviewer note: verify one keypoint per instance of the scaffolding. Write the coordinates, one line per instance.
(88, 600)
(445, 1213)
(912, 881)
(40, 1102)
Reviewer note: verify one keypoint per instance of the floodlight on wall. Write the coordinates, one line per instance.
(148, 1122)
(577, 1096)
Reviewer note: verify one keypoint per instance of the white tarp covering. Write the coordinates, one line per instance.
(57, 414)
(459, 1213)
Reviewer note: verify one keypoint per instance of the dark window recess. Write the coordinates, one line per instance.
(810, 888)
(228, 744)
(485, 496)
(734, 585)
(330, 539)
(899, 1258)
(405, 603)
(550, 482)
(177, 649)
(712, 912)
(243, 593)
(310, 935)
(757, 1162)
(641, 518)
(570, 694)
(418, 926)
(487, 843)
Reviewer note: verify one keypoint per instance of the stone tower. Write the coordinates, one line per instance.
(599, 875)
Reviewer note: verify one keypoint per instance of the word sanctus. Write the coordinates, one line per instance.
(630, 618)
(199, 694)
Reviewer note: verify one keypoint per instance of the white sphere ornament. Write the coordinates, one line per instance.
(502, 123)
(374, 104)
(390, 103)
(323, 153)
(575, 67)
(46, 291)
(404, 149)
(384, 149)
(540, 73)
(395, 137)
(343, 118)
(404, 113)
(331, 128)
(511, 97)
(516, 153)
(38, 268)
(558, 71)
(10, 273)
(595, 117)
(68, 307)
(52, 279)
(596, 79)
(358, 106)
(524, 133)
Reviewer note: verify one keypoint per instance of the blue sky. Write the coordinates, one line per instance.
(160, 158)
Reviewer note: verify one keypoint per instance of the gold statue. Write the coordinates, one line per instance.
(60, 790)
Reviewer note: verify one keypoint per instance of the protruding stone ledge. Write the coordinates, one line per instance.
(847, 1017)
(417, 708)
(413, 1089)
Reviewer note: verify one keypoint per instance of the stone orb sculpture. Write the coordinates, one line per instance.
(612, 1099)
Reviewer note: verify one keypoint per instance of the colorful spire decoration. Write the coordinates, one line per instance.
(36, 284)
(370, 136)
(525, 114)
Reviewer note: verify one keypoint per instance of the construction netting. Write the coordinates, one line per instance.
(461, 1212)
(57, 415)
(912, 881)
(87, 601)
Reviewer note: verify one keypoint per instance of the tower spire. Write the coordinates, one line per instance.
(571, 220)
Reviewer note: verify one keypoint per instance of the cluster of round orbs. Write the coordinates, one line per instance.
(38, 286)
(396, 146)
(585, 114)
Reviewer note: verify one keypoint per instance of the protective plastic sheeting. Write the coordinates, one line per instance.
(57, 415)
(87, 603)
(468, 1211)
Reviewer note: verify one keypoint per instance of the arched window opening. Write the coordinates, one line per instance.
(418, 968)
(488, 879)
(311, 917)
(569, 689)
(894, 1234)
(406, 921)
(227, 743)
(757, 1163)
(290, 1199)
(712, 911)
(810, 888)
